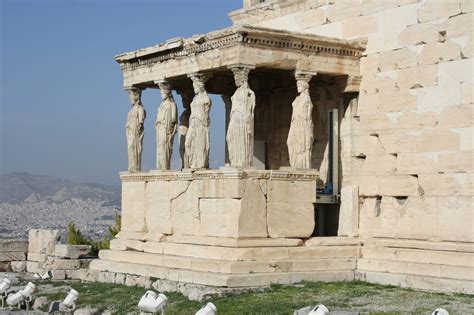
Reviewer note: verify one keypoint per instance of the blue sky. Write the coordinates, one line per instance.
(62, 105)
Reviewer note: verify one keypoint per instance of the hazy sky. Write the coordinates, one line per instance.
(62, 106)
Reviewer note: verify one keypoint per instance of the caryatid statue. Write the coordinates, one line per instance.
(134, 130)
(187, 97)
(165, 126)
(241, 124)
(300, 137)
(197, 137)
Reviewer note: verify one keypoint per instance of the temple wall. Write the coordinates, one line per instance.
(407, 149)
(407, 144)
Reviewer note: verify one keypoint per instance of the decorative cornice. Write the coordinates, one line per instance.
(264, 38)
(153, 176)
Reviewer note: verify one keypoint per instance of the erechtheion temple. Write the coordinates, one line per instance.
(349, 149)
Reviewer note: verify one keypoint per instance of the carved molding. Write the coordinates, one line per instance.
(152, 176)
(243, 35)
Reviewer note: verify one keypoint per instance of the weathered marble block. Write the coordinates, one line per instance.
(13, 246)
(218, 203)
(71, 251)
(42, 241)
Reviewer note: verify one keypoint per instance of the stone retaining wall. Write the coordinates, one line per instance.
(13, 255)
(45, 253)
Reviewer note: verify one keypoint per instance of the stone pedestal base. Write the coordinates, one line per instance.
(229, 203)
(222, 228)
(220, 262)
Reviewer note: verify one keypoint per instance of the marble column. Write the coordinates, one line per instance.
(240, 131)
(301, 134)
(134, 130)
(166, 125)
(187, 98)
(197, 138)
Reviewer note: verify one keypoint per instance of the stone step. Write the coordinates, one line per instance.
(450, 258)
(333, 241)
(235, 242)
(236, 254)
(416, 282)
(218, 279)
(414, 268)
(423, 245)
(226, 266)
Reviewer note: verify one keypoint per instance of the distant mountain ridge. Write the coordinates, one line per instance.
(16, 188)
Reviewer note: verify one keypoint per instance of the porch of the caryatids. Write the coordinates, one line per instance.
(301, 134)
(197, 137)
(134, 130)
(240, 131)
(165, 125)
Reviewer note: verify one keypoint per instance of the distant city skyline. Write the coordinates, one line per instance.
(63, 107)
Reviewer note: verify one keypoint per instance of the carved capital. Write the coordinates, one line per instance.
(164, 85)
(241, 73)
(134, 93)
(305, 76)
(241, 69)
(133, 89)
(201, 77)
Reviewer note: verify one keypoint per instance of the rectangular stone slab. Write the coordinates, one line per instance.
(71, 251)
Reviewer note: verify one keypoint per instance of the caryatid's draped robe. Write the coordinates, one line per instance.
(135, 133)
(300, 137)
(240, 131)
(197, 137)
(165, 125)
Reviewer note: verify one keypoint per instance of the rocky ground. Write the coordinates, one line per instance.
(341, 298)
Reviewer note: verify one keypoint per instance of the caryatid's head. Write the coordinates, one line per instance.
(241, 76)
(302, 86)
(199, 81)
(302, 80)
(134, 95)
(165, 90)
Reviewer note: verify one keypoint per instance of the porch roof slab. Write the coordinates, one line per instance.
(254, 46)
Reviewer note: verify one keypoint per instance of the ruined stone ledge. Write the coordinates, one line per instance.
(11, 245)
(11, 256)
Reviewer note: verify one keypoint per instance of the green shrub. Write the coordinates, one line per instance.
(75, 237)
